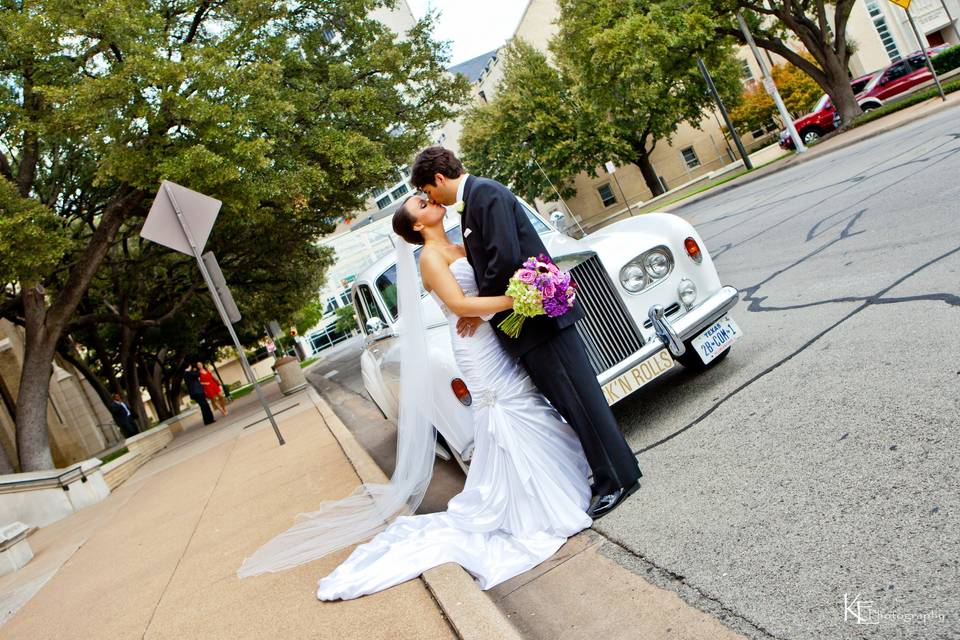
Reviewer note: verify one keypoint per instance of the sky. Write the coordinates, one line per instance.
(473, 27)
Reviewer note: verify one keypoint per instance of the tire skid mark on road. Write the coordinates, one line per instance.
(762, 205)
(876, 299)
(815, 231)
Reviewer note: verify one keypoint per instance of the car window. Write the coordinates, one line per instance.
(373, 309)
(387, 284)
(535, 220)
(896, 71)
(822, 104)
(455, 235)
(917, 62)
(858, 85)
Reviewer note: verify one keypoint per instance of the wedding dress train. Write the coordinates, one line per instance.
(525, 494)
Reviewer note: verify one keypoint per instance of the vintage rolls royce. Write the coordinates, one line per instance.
(651, 294)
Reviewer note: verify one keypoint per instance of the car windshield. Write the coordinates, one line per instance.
(822, 103)
(874, 81)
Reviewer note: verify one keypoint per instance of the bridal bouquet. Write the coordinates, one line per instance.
(538, 288)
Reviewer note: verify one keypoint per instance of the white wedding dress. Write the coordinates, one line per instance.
(525, 494)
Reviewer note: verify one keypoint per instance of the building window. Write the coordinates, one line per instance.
(405, 171)
(383, 202)
(379, 191)
(606, 195)
(399, 191)
(745, 72)
(690, 157)
(883, 30)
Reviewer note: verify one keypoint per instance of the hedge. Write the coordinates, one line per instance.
(947, 60)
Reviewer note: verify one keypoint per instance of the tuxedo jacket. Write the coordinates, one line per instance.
(498, 238)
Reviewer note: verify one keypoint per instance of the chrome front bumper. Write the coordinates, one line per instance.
(673, 334)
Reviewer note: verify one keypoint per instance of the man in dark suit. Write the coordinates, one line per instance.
(123, 417)
(498, 237)
(191, 378)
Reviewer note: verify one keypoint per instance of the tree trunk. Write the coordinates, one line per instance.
(152, 378)
(841, 95)
(649, 174)
(131, 378)
(45, 325)
(6, 464)
(33, 443)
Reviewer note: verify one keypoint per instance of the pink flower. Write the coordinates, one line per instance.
(549, 290)
(526, 276)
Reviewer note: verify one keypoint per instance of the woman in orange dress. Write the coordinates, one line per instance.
(212, 389)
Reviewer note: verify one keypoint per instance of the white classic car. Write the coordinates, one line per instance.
(651, 295)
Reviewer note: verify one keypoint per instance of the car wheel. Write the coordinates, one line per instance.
(810, 136)
(691, 359)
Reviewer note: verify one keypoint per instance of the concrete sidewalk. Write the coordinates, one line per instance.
(157, 558)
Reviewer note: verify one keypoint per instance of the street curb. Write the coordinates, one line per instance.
(813, 154)
(471, 614)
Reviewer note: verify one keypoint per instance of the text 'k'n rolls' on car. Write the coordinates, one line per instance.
(651, 297)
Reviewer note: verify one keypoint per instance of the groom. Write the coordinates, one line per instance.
(498, 237)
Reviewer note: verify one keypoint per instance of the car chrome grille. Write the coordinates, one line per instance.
(608, 332)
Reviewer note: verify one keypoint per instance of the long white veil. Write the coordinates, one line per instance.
(372, 507)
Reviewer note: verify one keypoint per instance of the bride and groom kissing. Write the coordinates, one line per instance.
(542, 425)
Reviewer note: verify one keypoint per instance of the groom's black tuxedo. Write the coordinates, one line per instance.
(498, 237)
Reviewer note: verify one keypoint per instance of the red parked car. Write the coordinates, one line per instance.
(821, 120)
(898, 78)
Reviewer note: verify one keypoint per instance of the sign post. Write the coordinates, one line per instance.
(157, 229)
(726, 116)
(771, 87)
(905, 5)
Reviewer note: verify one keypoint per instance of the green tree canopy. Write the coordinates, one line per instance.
(287, 112)
(624, 76)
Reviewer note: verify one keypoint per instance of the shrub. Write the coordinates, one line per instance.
(947, 60)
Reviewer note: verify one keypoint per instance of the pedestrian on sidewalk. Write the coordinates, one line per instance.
(212, 389)
(195, 390)
(123, 417)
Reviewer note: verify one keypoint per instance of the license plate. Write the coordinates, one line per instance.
(716, 339)
(625, 384)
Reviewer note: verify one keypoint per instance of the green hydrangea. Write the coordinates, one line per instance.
(527, 300)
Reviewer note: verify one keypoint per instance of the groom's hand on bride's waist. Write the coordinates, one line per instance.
(466, 327)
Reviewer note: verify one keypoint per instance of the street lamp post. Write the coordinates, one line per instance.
(726, 116)
(771, 86)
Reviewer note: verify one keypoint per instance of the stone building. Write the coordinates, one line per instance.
(80, 425)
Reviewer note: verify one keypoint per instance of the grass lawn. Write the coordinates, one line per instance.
(113, 456)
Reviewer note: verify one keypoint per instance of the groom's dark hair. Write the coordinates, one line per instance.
(430, 162)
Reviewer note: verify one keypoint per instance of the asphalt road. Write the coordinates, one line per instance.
(821, 458)
(819, 461)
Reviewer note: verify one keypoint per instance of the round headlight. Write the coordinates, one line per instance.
(687, 292)
(657, 264)
(632, 277)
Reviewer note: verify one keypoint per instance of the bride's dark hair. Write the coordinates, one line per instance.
(403, 222)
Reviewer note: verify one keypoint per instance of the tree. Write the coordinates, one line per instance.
(287, 112)
(798, 90)
(819, 25)
(624, 77)
(346, 319)
(533, 119)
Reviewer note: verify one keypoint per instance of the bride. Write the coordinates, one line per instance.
(526, 490)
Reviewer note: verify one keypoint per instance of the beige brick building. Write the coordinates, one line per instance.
(80, 425)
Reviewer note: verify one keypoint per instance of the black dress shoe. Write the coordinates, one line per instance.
(607, 503)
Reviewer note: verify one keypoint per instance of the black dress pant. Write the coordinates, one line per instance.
(204, 409)
(560, 369)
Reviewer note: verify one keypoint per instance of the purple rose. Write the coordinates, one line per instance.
(526, 276)
(549, 290)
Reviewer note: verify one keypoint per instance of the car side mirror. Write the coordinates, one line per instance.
(374, 326)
